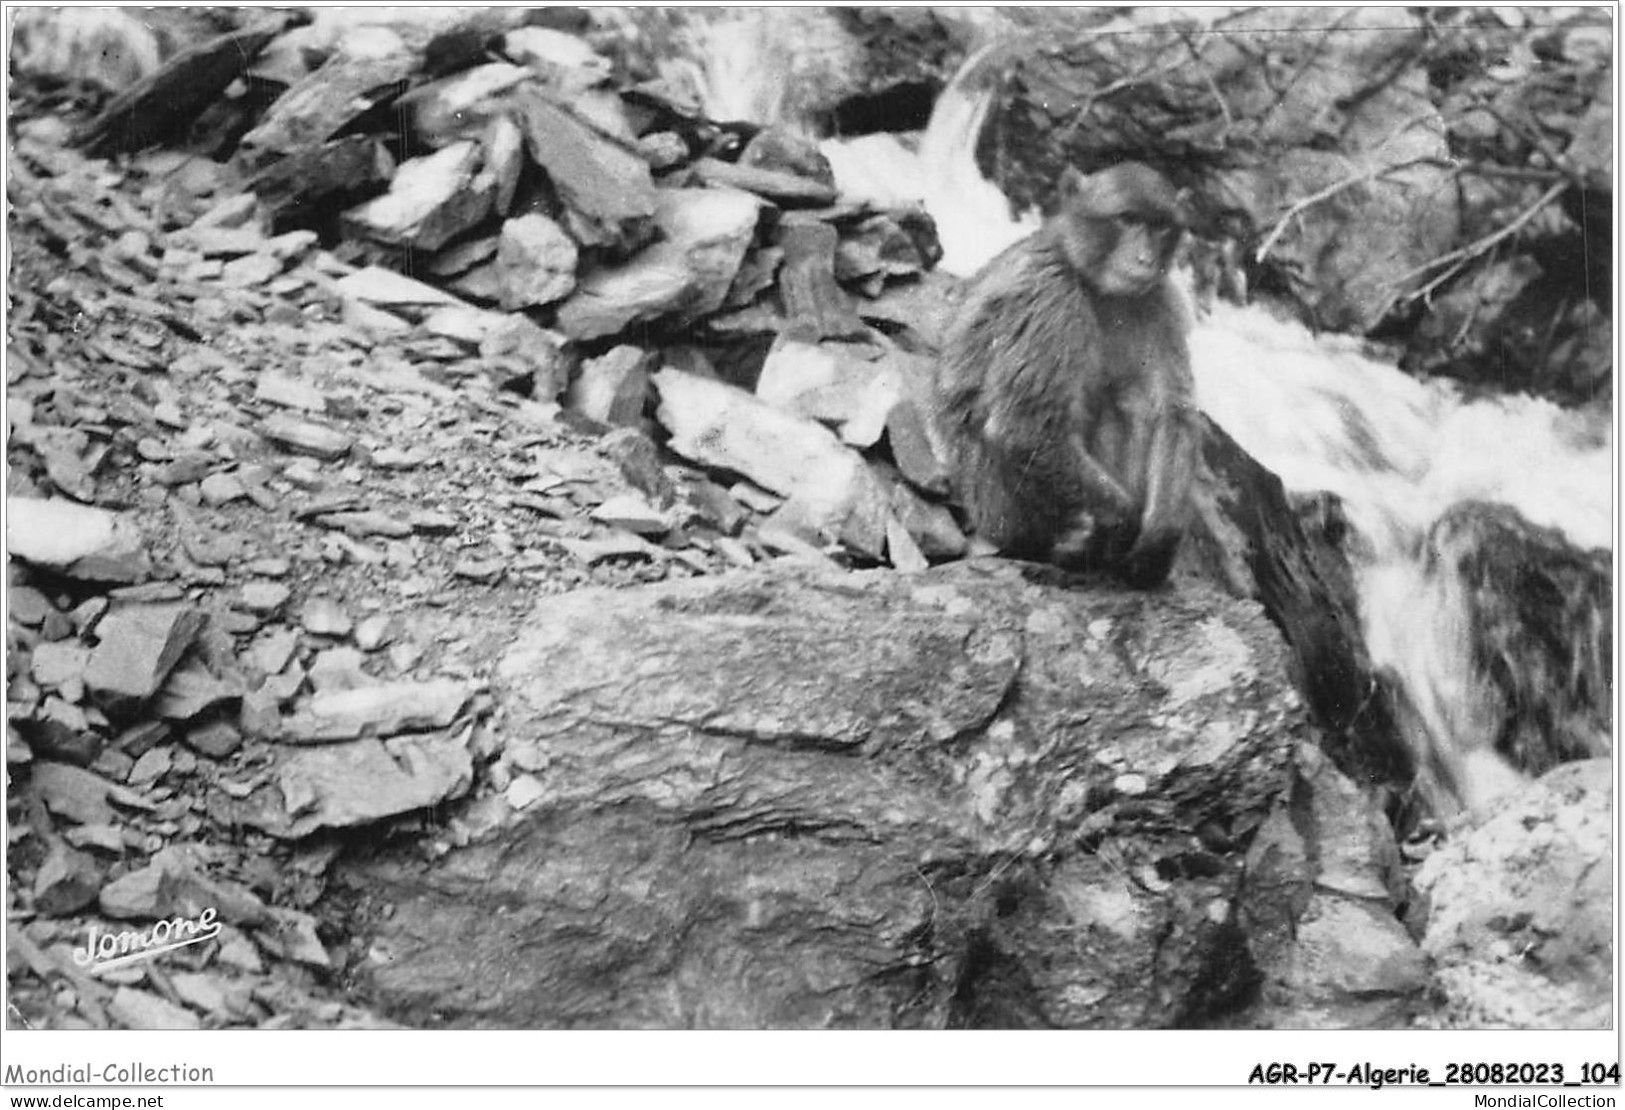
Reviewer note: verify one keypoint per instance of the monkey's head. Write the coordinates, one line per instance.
(1120, 227)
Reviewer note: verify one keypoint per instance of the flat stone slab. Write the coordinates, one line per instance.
(139, 645)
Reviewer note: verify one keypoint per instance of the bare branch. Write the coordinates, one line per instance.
(1458, 259)
(1524, 129)
(1486, 243)
(1328, 192)
(1309, 202)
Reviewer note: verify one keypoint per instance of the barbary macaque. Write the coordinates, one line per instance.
(1064, 392)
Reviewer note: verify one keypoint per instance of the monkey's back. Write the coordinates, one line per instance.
(1011, 395)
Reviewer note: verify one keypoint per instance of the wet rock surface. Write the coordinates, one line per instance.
(1517, 912)
(1323, 877)
(1539, 630)
(430, 555)
(955, 798)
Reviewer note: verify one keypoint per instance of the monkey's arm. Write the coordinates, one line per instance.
(1170, 470)
(1101, 487)
(1161, 427)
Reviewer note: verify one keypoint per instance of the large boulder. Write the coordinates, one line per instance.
(961, 798)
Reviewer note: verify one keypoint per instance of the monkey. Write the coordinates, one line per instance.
(1064, 391)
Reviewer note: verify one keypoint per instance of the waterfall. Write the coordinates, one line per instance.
(764, 65)
(937, 170)
(1400, 453)
(1323, 416)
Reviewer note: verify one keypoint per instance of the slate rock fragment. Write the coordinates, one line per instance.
(79, 541)
(138, 646)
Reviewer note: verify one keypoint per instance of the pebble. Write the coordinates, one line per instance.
(67, 881)
(338, 668)
(217, 739)
(250, 270)
(100, 838)
(393, 458)
(150, 767)
(384, 709)
(374, 632)
(221, 489)
(633, 513)
(268, 568)
(312, 439)
(367, 523)
(29, 606)
(523, 791)
(272, 650)
(58, 664)
(137, 1009)
(263, 597)
(480, 570)
(290, 393)
(325, 617)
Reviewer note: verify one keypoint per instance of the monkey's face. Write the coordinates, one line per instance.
(1119, 228)
(1140, 251)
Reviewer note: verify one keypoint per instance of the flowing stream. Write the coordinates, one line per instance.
(1399, 452)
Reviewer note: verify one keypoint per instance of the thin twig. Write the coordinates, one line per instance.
(1516, 173)
(1212, 86)
(1332, 190)
(1457, 260)
(1309, 202)
(1485, 243)
(1095, 96)
(1524, 129)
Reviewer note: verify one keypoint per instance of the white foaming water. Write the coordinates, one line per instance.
(748, 64)
(937, 170)
(1398, 452)
(763, 65)
(731, 70)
